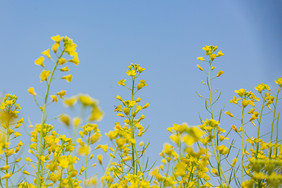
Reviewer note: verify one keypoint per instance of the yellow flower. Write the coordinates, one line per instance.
(55, 47)
(126, 111)
(75, 60)
(131, 72)
(83, 150)
(54, 98)
(141, 117)
(65, 119)
(235, 100)
(86, 100)
(222, 149)
(76, 121)
(39, 61)
(31, 91)
(95, 137)
(68, 78)
(96, 114)
(6, 176)
(16, 134)
(241, 92)
(141, 84)
(279, 82)
(70, 47)
(201, 58)
(6, 167)
(146, 105)
(47, 53)
(140, 69)
(213, 56)
(121, 82)
(119, 98)
(262, 87)
(28, 159)
(141, 143)
(103, 147)
(91, 181)
(234, 162)
(201, 69)
(254, 116)
(26, 172)
(44, 75)
(62, 61)
(219, 54)
(64, 69)
(214, 170)
(62, 93)
(70, 102)
(208, 49)
(222, 137)
(120, 115)
(219, 73)
(229, 113)
(57, 38)
(245, 103)
(100, 159)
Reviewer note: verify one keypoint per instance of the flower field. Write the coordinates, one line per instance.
(204, 155)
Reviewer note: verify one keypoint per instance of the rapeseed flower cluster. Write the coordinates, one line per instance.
(125, 168)
(10, 124)
(182, 164)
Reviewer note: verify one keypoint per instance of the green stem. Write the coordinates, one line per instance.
(257, 145)
(242, 145)
(86, 160)
(209, 84)
(276, 146)
(138, 161)
(272, 124)
(7, 157)
(41, 149)
(132, 128)
(221, 172)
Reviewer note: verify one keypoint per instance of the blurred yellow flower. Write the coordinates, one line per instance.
(44, 75)
(219, 73)
(31, 91)
(39, 61)
(201, 69)
(201, 58)
(47, 53)
(68, 78)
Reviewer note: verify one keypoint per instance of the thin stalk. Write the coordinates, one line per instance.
(221, 172)
(86, 160)
(132, 128)
(40, 170)
(140, 167)
(242, 145)
(7, 157)
(276, 147)
(272, 124)
(260, 116)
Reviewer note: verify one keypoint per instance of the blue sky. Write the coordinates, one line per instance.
(165, 37)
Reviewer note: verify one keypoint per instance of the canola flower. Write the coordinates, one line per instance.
(125, 168)
(43, 130)
(10, 124)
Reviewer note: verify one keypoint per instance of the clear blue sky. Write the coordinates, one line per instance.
(165, 37)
